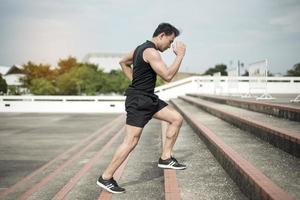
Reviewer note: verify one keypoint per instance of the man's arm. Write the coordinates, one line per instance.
(126, 63)
(153, 57)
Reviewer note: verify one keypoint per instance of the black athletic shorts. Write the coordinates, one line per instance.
(141, 106)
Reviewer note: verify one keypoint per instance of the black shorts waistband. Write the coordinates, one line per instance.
(130, 91)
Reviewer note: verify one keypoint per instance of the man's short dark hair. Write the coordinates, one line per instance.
(166, 28)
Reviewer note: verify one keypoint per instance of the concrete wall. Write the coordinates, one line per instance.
(62, 104)
(115, 104)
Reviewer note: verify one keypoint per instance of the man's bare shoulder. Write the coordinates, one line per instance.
(150, 54)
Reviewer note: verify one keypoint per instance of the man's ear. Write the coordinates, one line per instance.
(160, 36)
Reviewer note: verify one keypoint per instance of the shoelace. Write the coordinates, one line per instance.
(174, 159)
(115, 182)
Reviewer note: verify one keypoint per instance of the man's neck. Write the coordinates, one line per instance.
(154, 40)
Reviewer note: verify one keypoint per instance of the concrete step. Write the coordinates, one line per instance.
(73, 176)
(46, 182)
(142, 178)
(85, 187)
(288, 110)
(284, 134)
(259, 169)
(204, 178)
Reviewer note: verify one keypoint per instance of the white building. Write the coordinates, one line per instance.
(12, 76)
(105, 61)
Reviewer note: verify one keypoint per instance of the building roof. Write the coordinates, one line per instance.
(12, 74)
(15, 69)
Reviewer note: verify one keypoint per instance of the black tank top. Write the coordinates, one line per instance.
(143, 77)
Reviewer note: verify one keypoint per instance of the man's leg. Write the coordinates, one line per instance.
(174, 119)
(131, 139)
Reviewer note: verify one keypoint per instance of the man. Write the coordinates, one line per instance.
(142, 104)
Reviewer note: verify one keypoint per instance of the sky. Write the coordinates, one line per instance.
(214, 31)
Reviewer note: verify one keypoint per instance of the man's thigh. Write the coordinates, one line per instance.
(167, 114)
(133, 131)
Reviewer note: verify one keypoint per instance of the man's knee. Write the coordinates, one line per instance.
(132, 137)
(178, 119)
(131, 142)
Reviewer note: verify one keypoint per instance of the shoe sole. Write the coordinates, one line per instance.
(107, 189)
(170, 167)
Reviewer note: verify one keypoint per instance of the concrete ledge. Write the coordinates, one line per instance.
(251, 181)
(281, 138)
(172, 191)
(281, 111)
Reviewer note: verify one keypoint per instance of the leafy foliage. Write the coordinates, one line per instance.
(218, 68)
(3, 85)
(74, 78)
(295, 71)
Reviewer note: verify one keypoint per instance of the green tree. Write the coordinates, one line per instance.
(67, 85)
(13, 90)
(86, 79)
(65, 65)
(295, 71)
(218, 68)
(3, 85)
(41, 86)
(74, 78)
(116, 82)
(81, 79)
(34, 71)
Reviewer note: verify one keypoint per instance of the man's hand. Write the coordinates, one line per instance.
(179, 49)
(153, 57)
(126, 63)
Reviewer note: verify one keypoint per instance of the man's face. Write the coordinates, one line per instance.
(165, 41)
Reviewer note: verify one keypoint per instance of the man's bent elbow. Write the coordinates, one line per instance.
(122, 64)
(122, 61)
(167, 79)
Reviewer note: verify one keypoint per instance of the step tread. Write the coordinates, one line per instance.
(258, 152)
(58, 182)
(86, 187)
(204, 177)
(142, 177)
(269, 120)
(279, 101)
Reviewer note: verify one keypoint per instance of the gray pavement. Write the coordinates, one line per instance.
(279, 166)
(86, 188)
(28, 141)
(59, 181)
